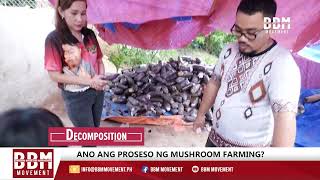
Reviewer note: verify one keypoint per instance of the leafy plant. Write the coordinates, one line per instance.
(124, 56)
(213, 43)
(117, 59)
(199, 42)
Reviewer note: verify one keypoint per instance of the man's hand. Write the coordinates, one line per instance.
(199, 122)
(210, 92)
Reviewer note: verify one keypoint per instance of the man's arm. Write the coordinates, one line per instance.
(210, 91)
(208, 98)
(284, 129)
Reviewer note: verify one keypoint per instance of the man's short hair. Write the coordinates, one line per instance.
(267, 7)
(27, 127)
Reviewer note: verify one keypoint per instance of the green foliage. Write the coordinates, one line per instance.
(213, 43)
(198, 43)
(117, 59)
(206, 48)
(126, 56)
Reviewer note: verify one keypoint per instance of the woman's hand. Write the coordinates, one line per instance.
(97, 82)
(83, 73)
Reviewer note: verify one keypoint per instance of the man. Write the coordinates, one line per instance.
(255, 86)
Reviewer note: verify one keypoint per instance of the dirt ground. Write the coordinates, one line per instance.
(155, 136)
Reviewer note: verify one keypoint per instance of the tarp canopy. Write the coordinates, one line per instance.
(167, 24)
(308, 60)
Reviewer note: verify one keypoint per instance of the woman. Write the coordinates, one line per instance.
(84, 108)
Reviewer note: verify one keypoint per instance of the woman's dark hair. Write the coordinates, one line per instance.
(267, 7)
(27, 127)
(61, 25)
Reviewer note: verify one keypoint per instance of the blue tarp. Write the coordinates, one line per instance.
(311, 53)
(308, 123)
(112, 28)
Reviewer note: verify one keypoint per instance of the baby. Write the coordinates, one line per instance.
(76, 67)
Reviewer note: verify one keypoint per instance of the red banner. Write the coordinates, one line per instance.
(96, 136)
(188, 169)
